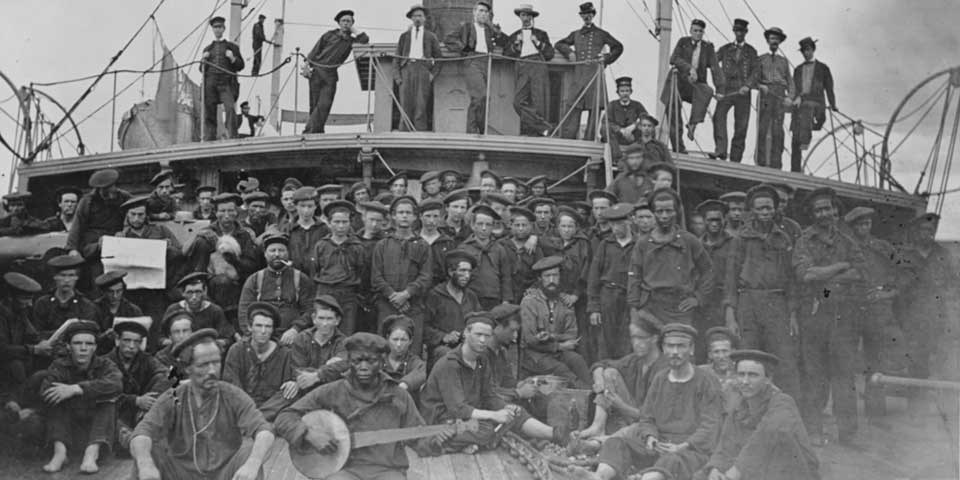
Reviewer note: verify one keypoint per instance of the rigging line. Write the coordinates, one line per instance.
(707, 18)
(829, 157)
(276, 103)
(42, 145)
(181, 42)
(725, 14)
(10, 117)
(933, 158)
(105, 104)
(907, 136)
(328, 25)
(646, 8)
(948, 166)
(637, 13)
(901, 118)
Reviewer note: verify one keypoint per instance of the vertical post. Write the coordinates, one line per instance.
(599, 90)
(664, 26)
(275, 76)
(203, 107)
(236, 19)
(486, 106)
(113, 117)
(370, 60)
(296, 90)
(366, 165)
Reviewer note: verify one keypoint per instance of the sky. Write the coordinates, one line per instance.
(878, 51)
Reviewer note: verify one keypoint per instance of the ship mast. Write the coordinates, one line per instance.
(275, 76)
(664, 27)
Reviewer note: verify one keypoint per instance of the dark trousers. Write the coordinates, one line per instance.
(806, 118)
(741, 120)
(765, 325)
(531, 96)
(698, 95)
(582, 75)
(171, 467)
(567, 364)
(475, 74)
(626, 449)
(347, 298)
(415, 92)
(323, 87)
(882, 342)
(665, 306)
(77, 423)
(615, 321)
(257, 58)
(213, 95)
(770, 112)
(828, 345)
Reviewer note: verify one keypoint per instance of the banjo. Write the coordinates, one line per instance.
(315, 465)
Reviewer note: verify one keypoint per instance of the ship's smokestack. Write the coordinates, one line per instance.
(446, 15)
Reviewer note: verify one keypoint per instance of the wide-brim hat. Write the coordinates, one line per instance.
(21, 283)
(807, 42)
(416, 7)
(526, 8)
(775, 31)
(310, 462)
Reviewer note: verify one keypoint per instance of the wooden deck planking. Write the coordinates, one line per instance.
(465, 466)
(492, 466)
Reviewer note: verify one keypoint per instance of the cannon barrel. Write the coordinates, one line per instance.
(881, 379)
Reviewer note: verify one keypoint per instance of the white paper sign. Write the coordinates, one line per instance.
(145, 261)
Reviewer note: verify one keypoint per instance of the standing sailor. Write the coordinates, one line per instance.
(811, 81)
(259, 38)
(586, 46)
(532, 46)
(416, 69)
(221, 62)
(738, 67)
(321, 67)
(476, 39)
(776, 94)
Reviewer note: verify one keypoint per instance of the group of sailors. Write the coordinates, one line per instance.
(736, 69)
(452, 305)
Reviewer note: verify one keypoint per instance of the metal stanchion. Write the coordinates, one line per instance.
(296, 91)
(486, 99)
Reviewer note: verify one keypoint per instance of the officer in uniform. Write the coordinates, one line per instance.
(221, 62)
(587, 45)
(623, 117)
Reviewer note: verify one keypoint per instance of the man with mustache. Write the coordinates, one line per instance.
(678, 423)
(532, 83)
(550, 332)
(829, 266)
(144, 377)
(281, 285)
(763, 437)
(365, 388)
(98, 214)
(197, 429)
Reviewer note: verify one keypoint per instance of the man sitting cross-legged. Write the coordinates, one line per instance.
(196, 430)
(461, 387)
(621, 385)
(366, 399)
(764, 437)
(677, 428)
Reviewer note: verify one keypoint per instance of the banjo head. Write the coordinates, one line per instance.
(314, 465)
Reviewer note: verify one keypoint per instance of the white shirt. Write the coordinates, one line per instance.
(528, 47)
(481, 38)
(416, 42)
(695, 60)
